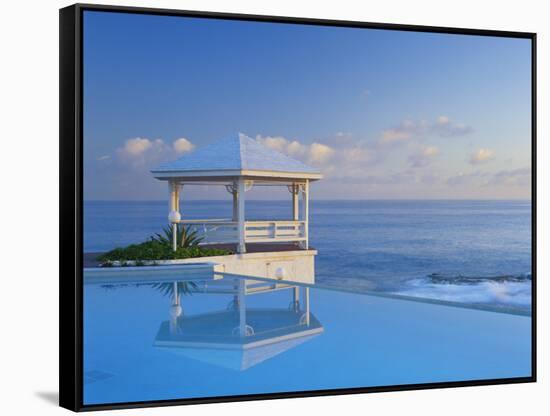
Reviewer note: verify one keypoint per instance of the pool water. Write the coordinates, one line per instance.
(138, 346)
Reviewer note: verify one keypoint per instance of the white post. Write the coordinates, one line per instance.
(175, 237)
(179, 187)
(236, 295)
(235, 194)
(296, 298)
(170, 197)
(242, 307)
(174, 215)
(176, 294)
(241, 219)
(295, 202)
(175, 310)
(305, 202)
(306, 301)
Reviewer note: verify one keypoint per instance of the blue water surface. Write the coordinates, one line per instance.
(358, 341)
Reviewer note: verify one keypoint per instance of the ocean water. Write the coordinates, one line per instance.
(476, 253)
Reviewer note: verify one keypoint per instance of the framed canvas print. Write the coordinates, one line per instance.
(260, 207)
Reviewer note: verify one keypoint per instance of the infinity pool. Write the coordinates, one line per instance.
(140, 343)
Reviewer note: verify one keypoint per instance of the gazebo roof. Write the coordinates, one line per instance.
(235, 156)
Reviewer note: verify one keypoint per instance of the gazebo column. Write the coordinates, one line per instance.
(242, 307)
(305, 203)
(306, 301)
(296, 298)
(295, 202)
(235, 194)
(175, 309)
(240, 217)
(233, 189)
(174, 215)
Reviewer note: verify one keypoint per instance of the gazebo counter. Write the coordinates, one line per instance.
(294, 266)
(291, 265)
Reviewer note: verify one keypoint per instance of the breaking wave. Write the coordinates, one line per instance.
(501, 291)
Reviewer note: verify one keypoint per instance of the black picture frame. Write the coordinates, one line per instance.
(71, 204)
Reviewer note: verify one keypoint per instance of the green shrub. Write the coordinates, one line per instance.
(156, 250)
(186, 237)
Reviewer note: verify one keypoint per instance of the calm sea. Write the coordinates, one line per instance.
(473, 252)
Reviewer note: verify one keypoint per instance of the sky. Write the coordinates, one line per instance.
(383, 114)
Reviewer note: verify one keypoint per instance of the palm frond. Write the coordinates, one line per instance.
(167, 288)
(186, 236)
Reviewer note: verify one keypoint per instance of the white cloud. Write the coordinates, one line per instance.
(182, 145)
(339, 158)
(292, 148)
(443, 126)
(430, 151)
(320, 153)
(423, 156)
(394, 135)
(276, 143)
(140, 151)
(448, 129)
(136, 147)
(296, 149)
(315, 153)
(481, 156)
(104, 158)
(400, 133)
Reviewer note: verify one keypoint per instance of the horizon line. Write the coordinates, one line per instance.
(321, 199)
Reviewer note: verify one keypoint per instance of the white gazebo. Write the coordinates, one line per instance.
(239, 163)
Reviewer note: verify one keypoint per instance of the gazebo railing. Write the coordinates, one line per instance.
(220, 231)
(274, 231)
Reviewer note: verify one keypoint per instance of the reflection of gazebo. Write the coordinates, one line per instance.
(239, 337)
(239, 163)
(211, 337)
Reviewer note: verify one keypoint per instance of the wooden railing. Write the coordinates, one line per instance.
(219, 231)
(274, 231)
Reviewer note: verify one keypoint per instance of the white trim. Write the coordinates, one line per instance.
(175, 174)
